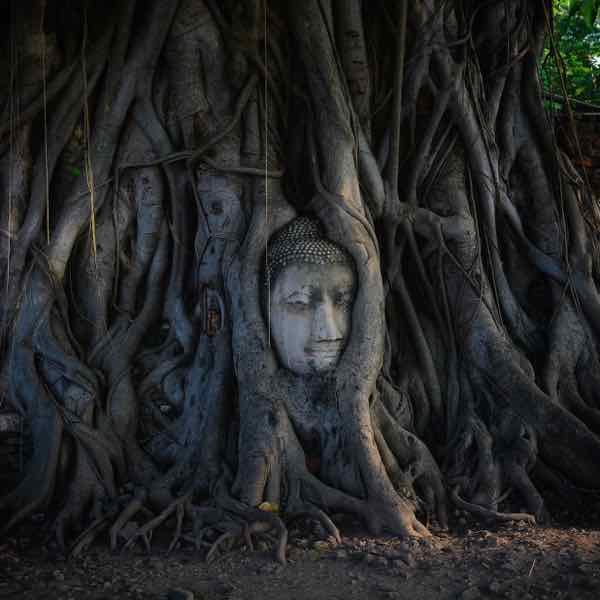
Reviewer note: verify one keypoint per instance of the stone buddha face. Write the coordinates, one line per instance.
(312, 288)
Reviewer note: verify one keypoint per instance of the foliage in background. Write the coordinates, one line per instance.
(589, 9)
(577, 38)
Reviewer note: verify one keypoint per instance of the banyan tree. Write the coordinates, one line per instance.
(268, 259)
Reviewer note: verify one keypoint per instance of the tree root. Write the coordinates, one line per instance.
(87, 537)
(243, 531)
(237, 526)
(486, 513)
(301, 510)
(145, 532)
(132, 508)
(408, 461)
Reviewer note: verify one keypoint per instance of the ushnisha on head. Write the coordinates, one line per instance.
(312, 285)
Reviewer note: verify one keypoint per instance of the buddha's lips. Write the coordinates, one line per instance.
(324, 350)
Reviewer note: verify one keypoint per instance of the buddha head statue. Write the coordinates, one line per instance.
(311, 288)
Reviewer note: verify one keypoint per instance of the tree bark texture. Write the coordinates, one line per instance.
(149, 151)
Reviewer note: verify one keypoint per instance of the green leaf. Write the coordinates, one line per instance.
(575, 6)
(579, 46)
(75, 171)
(590, 11)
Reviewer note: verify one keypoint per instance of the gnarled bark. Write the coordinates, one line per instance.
(144, 170)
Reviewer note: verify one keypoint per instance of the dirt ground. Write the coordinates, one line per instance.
(467, 562)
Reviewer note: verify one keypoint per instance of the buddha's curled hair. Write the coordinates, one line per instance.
(302, 241)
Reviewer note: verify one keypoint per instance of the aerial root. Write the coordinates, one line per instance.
(243, 531)
(488, 513)
(132, 508)
(533, 500)
(248, 537)
(84, 540)
(229, 535)
(305, 509)
(179, 515)
(197, 540)
(145, 532)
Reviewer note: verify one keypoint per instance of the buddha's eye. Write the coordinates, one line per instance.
(298, 304)
(343, 299)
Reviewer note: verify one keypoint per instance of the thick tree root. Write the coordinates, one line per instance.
(87, 537)
(300, 510)
(144, 533)
(486, 513)
(243, 532)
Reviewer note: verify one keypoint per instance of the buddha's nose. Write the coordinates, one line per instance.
(325, 325)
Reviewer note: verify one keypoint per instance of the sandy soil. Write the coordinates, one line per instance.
(470, 561)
